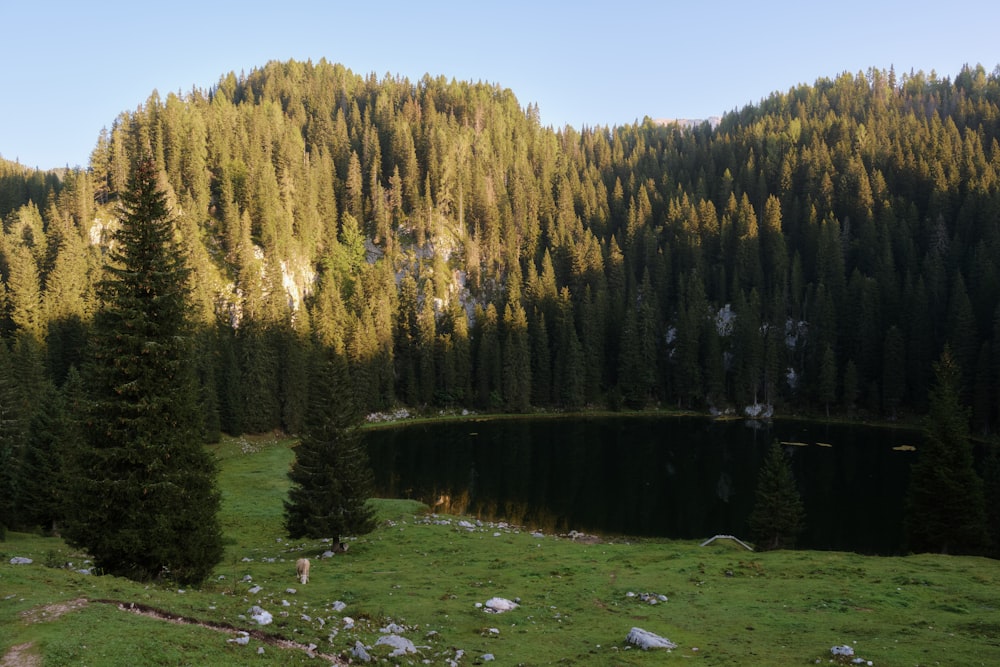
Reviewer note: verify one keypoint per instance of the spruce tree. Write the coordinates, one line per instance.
(945, 510)
(991, 492)
(778, 516)
(143, 499)
(11, 439)
(51, 434)
(331, 477)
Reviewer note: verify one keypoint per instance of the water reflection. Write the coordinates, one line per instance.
(687, 478)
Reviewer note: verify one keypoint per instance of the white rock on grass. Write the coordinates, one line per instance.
(646, 640)
(499, 605)
(21, 560)
(360, 652)
(259, 615)
(401, 645)
(392, 629)
(242, 640)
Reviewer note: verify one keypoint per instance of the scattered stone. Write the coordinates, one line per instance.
(339, 606)
(242, 640)
(260, 650)
(360, 652)
(259, 615)
(392, 629)
(401, 645)
(348, 623)
(488, 657)
(647, 640)
(255, 589)
(844, 655)
(291, 591)
(246, 579)
(499, 605)
(21, 560)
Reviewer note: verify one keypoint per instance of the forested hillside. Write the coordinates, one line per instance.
(814, 252)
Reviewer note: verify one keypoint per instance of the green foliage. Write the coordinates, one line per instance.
(331, 477)
(846, 210)
(778, 515)
(945, 509)
(143, 500)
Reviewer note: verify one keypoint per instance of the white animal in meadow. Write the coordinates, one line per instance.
(302, 570)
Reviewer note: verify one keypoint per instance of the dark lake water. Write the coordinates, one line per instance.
(677, 477)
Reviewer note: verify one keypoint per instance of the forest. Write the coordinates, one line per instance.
(813, 253)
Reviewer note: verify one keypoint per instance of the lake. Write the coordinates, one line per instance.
(675, 477)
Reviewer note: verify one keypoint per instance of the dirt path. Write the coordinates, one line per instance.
(153, 612)
(22, 655)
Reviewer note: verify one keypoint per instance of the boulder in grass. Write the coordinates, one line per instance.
(20, 560)
(499, 605)
(401, 645)
(646, 640)
(259, 615)
(360, 652)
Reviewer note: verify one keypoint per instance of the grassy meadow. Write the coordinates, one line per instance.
(427, 573)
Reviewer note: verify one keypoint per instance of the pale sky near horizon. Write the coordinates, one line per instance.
(71, 67)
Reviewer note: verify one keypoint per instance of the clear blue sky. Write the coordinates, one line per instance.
(70, 67)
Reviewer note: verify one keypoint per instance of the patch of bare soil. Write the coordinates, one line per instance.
(23, 655)
(50, 612)
(20, 656)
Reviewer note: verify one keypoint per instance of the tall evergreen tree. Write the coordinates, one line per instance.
(11, 441)
(331, 477)
(893, 367)
(144, 497)
(778, 515)
(828, 379)
(51, 435)
(991, 492)
(945, 509)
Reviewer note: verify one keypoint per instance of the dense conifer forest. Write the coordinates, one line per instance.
(814, 252)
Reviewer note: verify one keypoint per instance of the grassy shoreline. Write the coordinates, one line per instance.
(427, 573)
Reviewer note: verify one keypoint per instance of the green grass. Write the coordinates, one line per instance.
(726, 606)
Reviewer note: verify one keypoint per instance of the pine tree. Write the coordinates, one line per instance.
(778, 516)
(331, 477)
(945, 510)
(991, 492)
(144, 498)
(11, 442)
(51, 435)
(828, 378)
